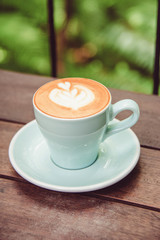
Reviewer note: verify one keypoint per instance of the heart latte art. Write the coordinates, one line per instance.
(71, 98)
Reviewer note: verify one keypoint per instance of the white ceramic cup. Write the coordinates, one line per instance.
(74, 143)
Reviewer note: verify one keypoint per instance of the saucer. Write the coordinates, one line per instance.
(29, 156)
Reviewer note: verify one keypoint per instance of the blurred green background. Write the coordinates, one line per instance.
(110, 41)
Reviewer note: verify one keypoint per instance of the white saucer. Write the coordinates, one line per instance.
(30, 157)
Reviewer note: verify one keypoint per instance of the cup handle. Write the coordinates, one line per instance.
(126, 104)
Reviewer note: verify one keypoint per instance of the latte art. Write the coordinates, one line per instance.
(69, 97)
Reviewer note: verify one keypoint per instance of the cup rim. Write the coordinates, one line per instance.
(73, 119)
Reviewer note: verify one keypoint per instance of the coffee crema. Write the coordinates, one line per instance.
(72, 98)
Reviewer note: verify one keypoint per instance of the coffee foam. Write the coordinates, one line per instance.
(72, 98)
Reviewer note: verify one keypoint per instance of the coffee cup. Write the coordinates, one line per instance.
(75, 116)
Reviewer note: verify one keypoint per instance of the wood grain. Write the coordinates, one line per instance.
(129, 209)
(28, 212)
(142, 186)
(17, 90)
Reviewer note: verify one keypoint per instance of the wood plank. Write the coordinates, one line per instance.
(7, 131)
(17, 90)
(142, 186)
(28, 212)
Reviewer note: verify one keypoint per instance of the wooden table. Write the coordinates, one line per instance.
(129, 209)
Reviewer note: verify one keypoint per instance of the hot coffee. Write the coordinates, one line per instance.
(72, 98)
(75, 115)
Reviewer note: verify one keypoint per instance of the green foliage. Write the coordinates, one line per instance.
(110, 41)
